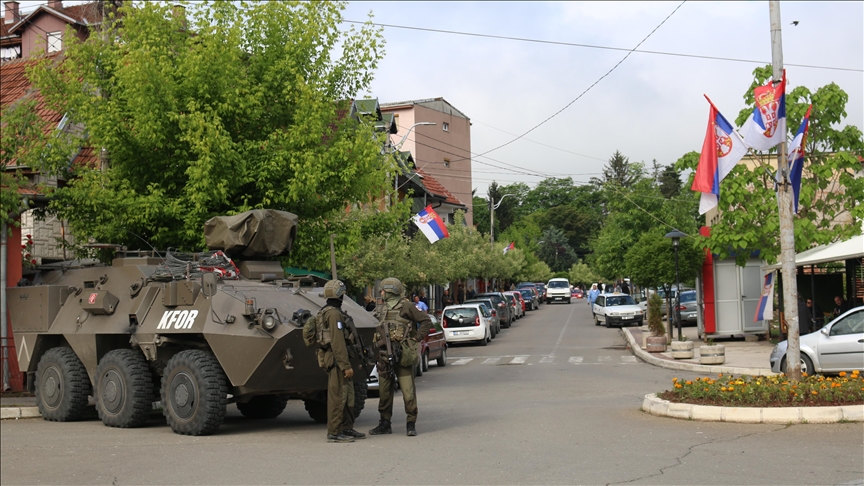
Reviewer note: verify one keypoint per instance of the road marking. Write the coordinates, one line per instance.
(547, 359)
(460, 362)
(603, 359)
(576, 359)
(518, 360)
(629, 359)
(490, 361)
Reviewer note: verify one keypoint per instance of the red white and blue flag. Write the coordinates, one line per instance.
(431, 224)
(721, 150)
(766, 127)
(796, 157)
(765, 310)
(509, 247)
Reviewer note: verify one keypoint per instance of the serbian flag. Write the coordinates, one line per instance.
(431, 224)
(766, 127)
(796, 156)
(765, 310)
(721, 150)
(509, 247)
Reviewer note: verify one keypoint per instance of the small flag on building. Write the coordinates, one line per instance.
(766, 127)
(796, 157)
(509, 247)
(431, 224)
(765, 310)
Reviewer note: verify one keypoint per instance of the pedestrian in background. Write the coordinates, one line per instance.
(804, 322)
(842, 306)
(447, 299)
(816, 315)
(592, 296)
(419, 304)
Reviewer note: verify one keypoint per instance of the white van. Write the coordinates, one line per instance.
(558, 290)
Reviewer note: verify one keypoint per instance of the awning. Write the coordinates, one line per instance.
(835, 252)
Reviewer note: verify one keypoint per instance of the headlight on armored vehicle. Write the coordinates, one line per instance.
(269, 319)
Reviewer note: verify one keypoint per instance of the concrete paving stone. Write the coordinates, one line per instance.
(679, 410)
(7, 413)
(30, 412)
(707, 413)
(782, 415)
(745, 415)
(853, 413)
(821, 415)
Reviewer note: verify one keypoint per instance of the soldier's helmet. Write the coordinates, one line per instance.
(392, 286)
(334, 289)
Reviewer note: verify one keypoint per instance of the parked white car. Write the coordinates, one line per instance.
(616, 309)
(838, 346)
(467, 323)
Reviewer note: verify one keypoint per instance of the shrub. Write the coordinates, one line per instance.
(655, 322)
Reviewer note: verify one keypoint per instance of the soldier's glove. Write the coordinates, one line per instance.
(349, 373)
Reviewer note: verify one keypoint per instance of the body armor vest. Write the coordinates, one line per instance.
(396, 326)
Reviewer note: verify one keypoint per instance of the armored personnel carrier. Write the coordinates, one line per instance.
(195, 332)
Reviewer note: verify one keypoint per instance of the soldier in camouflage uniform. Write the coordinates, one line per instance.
(335, 360)
(400, 319)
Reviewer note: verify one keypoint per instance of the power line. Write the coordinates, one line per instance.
(592, 46)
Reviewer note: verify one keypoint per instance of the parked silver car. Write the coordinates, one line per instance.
(688, 307)
(838, 346)
(496, 322)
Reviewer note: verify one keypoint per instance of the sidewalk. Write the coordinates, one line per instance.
(15, 407)
(742, 357)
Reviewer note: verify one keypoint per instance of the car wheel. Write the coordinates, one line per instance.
(492, 330)
(62, 386)
(568, 301)
(425, 361)
(484, 341)
(418, 369)
(124, 388)
(606, 322)
(442, 360)
(806, 365)
(596, 321)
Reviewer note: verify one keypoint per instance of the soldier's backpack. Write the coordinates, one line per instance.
(314, 333)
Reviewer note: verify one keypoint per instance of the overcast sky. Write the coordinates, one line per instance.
(649, 107)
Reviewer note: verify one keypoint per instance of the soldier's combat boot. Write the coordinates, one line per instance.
(339, 438)
(411, 430)
(354, 433)
(383, 428)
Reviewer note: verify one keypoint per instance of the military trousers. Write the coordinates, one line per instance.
(387, 389)
(340, 402)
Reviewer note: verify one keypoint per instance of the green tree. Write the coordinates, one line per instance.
(243, 109)
(831, 195)
(651, 261)
(670, 182)
(549, 193)
(581, 274)
(621, 171)
(555, 251)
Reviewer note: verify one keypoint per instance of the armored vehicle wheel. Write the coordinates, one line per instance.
(361, 392)
(318, 409)
(124, 388)
(263, 407)
(194, 393)
(62, 386)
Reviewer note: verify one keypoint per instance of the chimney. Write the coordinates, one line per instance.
(55, 4)
(11, 12)
(179, 13)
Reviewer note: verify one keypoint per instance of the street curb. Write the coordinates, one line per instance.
(10, 413)
(752, 415)
(682, 366)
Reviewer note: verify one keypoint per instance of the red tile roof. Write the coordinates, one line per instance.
(436, 188)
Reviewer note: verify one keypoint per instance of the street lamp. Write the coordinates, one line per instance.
(676, 235)
(492, 209)
(396, 147)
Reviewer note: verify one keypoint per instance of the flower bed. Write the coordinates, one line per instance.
(769, 391)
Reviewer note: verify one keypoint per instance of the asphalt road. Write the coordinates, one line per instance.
(553, 400)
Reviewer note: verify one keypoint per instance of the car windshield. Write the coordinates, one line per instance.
(619, 300)
(688, 296)
(486, 302)
(493, 297)
(525, 293)
(558, 284)
(460, 317)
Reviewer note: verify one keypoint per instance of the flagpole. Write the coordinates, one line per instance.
(787, 228)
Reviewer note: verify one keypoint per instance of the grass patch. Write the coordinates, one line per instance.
(769, 391)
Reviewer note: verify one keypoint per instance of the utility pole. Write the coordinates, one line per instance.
(787, 228)
(492, 219)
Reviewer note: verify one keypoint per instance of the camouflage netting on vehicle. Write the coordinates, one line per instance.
(256, 233)
(179, 266)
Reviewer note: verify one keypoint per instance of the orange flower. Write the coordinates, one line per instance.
(842, 373)
(674, 380)
(731, 388)
(724, 388)
(720, 375)
(804, 374)
(706, 389)
(678, 385)
(689, 382)
(814, 392)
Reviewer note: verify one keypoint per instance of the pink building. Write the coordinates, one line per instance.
(43, 29)
(443, 150)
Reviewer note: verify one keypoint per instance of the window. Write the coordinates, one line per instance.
(55, 41)
(446, 162)
(445, 126)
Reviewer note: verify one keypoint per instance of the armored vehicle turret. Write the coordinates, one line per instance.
(195, 332)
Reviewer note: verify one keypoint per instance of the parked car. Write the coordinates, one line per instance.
(838, 346)
(467, 323)
(688, 307)
(502, 306)
(514, 304)
(432, 347)
(541, 287)
(577, 294)
(532, 301)
(558, 289)
(616, 309)
(496, 321)
(520, 302)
